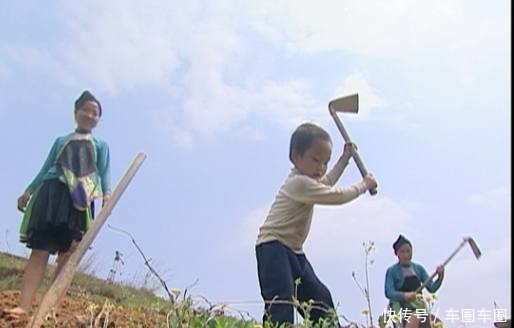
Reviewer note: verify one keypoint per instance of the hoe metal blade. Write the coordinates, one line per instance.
(474, 247)
(347, 104)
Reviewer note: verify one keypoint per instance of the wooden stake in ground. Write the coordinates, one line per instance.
(65, 276)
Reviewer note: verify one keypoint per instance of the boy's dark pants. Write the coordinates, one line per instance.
(278, 268)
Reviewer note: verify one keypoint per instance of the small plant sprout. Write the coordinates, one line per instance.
(296, 303)
(176, 292)
(369, 247)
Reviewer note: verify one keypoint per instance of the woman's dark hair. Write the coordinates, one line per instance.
(304, 136)
(399, 242)
(85, 97)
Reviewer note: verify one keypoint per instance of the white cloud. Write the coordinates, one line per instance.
(29, 57)
(4, 71)
(213, 107)
(460, 44)
(127, 44)
(186, 50)
(369, 98)
(168, 122)
(399, 28)
(493, 199)
(140, 47)
(379, 219)
(287, 103)
(190, 51)
(251, 133)
(247, 231)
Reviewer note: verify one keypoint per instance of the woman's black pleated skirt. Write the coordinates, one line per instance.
(53, 223)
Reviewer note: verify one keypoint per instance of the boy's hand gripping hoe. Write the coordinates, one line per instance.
(348, 104)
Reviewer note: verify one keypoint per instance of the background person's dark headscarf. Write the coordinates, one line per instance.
(399, 242)
(87, 96)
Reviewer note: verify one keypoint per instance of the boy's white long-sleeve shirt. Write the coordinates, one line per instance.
(289, 219)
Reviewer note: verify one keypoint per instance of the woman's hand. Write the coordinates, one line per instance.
(409, 296)
(440, 271)
(23, 200)
(105, 199)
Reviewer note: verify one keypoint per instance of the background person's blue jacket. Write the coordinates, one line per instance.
(394, 280)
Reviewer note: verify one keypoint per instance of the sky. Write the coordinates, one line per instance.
(211, 91)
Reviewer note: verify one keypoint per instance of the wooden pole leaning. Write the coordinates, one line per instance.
(63, 280)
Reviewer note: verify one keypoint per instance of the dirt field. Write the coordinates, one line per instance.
(80, 313)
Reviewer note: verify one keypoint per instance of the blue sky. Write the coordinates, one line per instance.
(211, 91)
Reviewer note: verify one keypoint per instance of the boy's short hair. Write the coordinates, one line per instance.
(304, 135)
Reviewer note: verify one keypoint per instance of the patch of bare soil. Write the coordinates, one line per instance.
(78, 312)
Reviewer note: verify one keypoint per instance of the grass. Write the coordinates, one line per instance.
(11, 272)
(138, 303)
(105, 302)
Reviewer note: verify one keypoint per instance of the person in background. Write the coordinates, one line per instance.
(402, 281)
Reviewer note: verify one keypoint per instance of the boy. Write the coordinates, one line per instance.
(279, 248)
